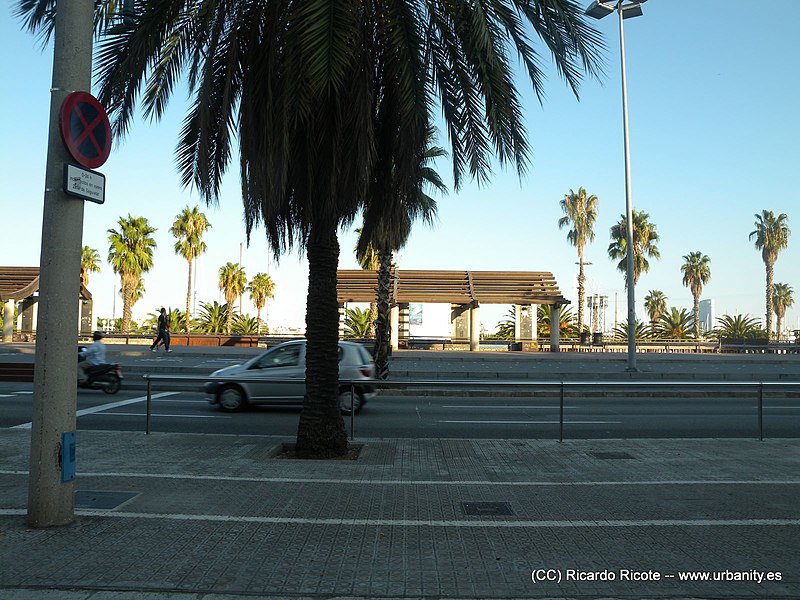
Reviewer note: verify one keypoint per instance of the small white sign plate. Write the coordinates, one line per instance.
(83, 183)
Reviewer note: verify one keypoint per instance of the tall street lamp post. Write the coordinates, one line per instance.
(625, 10)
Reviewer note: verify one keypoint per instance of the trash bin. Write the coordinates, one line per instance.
(585, 337)
(597, 339)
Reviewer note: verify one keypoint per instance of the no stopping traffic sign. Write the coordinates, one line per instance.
(85, 129)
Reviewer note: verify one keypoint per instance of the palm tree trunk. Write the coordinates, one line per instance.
(229, 315)
(258, 321)
(778, 326)
(127, 305)
(320, 432)
(770, 271)
(373, 316)
(581, 291)
(189, 300)
(696, 316)
(382, 321)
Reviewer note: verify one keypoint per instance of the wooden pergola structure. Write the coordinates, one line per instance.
(468, 289)
(453, 287)
(19, 285)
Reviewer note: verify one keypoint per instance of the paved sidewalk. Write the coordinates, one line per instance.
(216, 517)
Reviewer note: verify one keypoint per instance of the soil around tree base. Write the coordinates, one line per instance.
(288, 451)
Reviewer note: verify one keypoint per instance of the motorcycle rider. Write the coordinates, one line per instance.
(92, 356)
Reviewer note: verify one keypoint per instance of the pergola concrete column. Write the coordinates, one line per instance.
(555, 332)
(341, 320)
(474, 327)
(394, 329)
(8, 321)
(534, 323)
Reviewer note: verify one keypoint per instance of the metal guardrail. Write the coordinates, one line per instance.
(481, 384)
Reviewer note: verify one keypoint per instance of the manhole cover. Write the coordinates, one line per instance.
(101, 500)
(487, 509)
(613, 455)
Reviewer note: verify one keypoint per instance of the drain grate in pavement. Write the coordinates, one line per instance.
(487, 509)
(102, 500)
(613, 455)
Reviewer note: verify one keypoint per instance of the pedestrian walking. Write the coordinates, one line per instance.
(163, 332)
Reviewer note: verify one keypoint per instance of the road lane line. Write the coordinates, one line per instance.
(535, 422)
(479, 523)
(102, 407)
(127, 414)
(423, 482)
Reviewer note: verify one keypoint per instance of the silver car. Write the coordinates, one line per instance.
(288, 361)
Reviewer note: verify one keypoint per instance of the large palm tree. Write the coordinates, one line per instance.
(655, 303)
(90, 263)
(782, 298)
(696, 273)
(771, 235)
(189, 226)
(261, 289)
(580, 213)
(386, 229)
(130, 254)
(232, 282)
(645, 237)
(321, 96)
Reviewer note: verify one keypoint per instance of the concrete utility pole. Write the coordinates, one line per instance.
(51, 501)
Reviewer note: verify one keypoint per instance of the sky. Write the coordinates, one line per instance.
(714, 130)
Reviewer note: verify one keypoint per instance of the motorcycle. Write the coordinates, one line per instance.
(106, 377)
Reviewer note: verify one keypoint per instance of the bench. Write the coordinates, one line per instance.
(16, 371)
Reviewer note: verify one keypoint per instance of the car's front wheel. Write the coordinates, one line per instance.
(344, 402)
(231, 398)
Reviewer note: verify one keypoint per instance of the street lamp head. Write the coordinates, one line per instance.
(599, 9)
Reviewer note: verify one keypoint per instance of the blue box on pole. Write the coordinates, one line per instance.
(67, 456)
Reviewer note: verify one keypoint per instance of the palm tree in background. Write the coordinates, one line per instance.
(321, 97)
(386, 229)
(189, 226)
(580, 213)
(567, 325)
(655, 303)
(782, 298)
(738, 327)
(356, 323)
(674, 324)
(232, 282)
(90, 263)
(130, 254)
(645, 237)
(621, 330)
(370, 260)
(696, 273)
(213, 316)
(771, 235)
(261, 289)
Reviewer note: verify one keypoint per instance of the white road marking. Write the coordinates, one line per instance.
(127, 414)
(434, 523)
(102, 407)
(511, 406)
(534, 422)
(6, 395)
(419, 482)
(25, 393)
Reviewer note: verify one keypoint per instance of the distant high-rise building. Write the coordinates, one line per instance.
(707, 315)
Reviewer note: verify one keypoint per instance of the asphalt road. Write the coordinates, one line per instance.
(585, 417)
